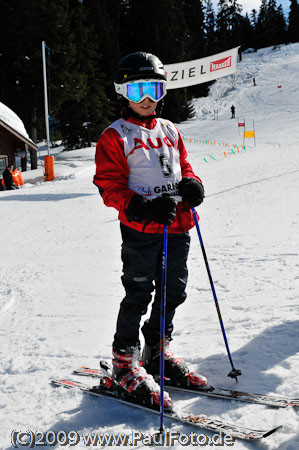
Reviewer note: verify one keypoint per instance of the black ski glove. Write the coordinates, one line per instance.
(191, 191)
(160, 209)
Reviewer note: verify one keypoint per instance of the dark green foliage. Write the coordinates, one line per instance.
(270, 26)
(20, 48)
(84, 115)
(209, 27)
(229, 19)
(195, 33)
(293, 29)
(195, 43)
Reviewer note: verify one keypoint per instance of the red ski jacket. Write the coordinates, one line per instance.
(112, 173)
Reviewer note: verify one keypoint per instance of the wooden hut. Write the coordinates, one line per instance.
(14, 141)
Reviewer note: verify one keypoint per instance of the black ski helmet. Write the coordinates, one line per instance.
(139, 65)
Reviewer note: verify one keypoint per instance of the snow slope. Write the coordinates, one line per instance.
(60, 270)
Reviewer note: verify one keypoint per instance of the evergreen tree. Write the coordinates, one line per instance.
(86, 38)
(271, 26)
(209, 27)
(21, 65)
(253, 17)
(25, 25)
(236, 21)
(222, 26)
(83, 118)
(275, 24)
(228, 24)
(281, 27)
(246, 32)
(106, 20)
(261, 25)
(67, 82)
(194, 46)
(293, 28)
(161, 30)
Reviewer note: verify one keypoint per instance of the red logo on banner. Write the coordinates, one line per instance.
(221, 64)
(241, 124)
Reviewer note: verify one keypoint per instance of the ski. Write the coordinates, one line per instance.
(197, 420)
(209, 391)
(248, 397)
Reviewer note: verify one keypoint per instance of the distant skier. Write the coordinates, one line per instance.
(140, 164)
(233, 109)
(253, 80)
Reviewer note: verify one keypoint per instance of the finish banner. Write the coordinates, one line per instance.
(199, 71)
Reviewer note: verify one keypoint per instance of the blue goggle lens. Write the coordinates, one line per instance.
(138, 91)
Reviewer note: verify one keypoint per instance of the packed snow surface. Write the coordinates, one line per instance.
(60, 271)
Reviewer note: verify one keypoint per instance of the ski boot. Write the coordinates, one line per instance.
(131, 381)
(175, 369)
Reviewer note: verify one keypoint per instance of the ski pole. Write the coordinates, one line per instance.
(234, 373)
(162, 326)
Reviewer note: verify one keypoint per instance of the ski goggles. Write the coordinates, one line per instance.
(137, 91)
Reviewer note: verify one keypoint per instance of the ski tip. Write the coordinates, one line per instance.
(268, 433)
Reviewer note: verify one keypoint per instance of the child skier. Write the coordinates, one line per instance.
(140, 165)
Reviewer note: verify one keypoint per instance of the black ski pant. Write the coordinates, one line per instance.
(142, 270)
